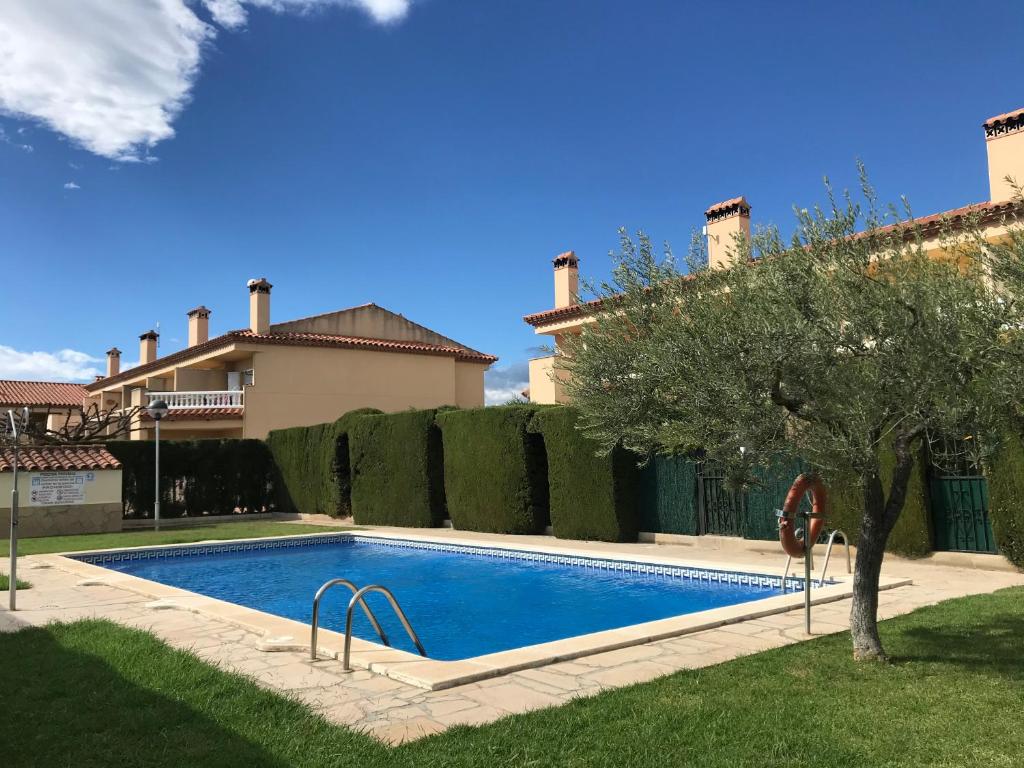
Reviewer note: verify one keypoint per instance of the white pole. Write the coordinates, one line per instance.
(13, 593)
(156, 502)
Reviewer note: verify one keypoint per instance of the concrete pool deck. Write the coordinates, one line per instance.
(394, 710)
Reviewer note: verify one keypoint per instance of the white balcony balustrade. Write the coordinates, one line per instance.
(213, 399)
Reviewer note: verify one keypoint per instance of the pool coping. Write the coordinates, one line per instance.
(432, 674)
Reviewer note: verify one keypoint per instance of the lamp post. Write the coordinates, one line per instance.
(13, 589)
(157, 410)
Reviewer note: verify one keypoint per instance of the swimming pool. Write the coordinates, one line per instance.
(464, 601)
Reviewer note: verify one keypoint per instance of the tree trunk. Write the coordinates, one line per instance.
(874, 534)
(880, 515)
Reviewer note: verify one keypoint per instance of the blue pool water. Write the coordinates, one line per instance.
(462, 604)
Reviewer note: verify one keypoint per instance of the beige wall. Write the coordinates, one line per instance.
(1005, 158)
(199, 380)
(100, 512)
(370, 322)
(546, 381)
(298, 386)
(469, 385)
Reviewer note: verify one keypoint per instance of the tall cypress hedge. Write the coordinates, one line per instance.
(1006, 500)
(197, 477)
(591, 496)
(397, 464)
(912, 535)
(495, 470)
(313, 465)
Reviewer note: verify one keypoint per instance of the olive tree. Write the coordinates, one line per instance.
(835, 346)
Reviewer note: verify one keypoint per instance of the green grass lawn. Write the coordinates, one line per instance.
(256, 529)
(5, 583)
(94, 694)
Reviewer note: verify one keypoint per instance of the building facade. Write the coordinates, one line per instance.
(1004, 141)
(267, 376)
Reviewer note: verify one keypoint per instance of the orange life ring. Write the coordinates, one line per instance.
(819, 501)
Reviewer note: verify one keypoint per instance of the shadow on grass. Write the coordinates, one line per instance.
(65, 705)
(994, 647)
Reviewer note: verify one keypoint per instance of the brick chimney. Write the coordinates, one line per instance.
(259, 305)
(1004, 140)
(726, 220)
(147, 347)
(567, 279)
(198, 325)
(113, 361)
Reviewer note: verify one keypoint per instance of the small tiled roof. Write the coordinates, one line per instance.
(296, 339)
(55, 393)
(726, 205)
(58, 458)
(927, 226)
(196, 414)
(1006, 117)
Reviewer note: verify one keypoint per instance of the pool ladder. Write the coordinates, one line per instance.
(828, 555)
(358, 598)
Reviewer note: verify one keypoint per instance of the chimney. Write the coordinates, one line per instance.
(567, 279)
(198, 325)
(147, 347)
(1004, 140)
(259, 305)
(726, 220)
(113, 361)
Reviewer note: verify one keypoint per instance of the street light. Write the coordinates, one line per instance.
(157, 410)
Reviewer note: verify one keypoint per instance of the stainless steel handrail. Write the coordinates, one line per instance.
(358, 597)
(828, 554)
(316, 614)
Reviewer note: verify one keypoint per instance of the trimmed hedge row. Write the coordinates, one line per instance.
(197, 477)
(1006, 500)
(397, 463)
(591, 496)
(313, 465)
(495, 470)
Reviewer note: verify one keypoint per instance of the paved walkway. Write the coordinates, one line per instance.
(393, 711)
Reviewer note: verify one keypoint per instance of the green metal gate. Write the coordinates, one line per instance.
(959, 508)
(720, 512)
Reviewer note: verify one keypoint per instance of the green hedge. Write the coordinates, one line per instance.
(313, 465)
(397, 470)
(1006, 500)
(197, 477)
(912, 535)
(495, 470)
(667, 495)
(591, 496)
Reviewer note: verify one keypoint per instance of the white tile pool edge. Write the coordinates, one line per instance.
(433, 674)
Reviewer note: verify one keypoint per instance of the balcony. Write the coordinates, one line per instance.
(178, 401)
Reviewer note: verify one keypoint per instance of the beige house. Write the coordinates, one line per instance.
(1004, 140)
(51, 403)
(247, 382)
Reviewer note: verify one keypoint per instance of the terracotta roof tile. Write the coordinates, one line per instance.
(56, 393)
(58, 458)
(725, 205)
(196, 414)
(296, 340)
(1003, 118)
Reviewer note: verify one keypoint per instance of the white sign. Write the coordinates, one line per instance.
(57, 488)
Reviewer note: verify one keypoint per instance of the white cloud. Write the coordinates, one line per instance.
(63, 365)
(114, 76)
(5, 139)
(507, 383)
(71, 185)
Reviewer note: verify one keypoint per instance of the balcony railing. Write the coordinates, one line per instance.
(215, 399)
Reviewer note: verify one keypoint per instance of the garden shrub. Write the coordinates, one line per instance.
(197, 477)
(313, 465)
(397, 464)
(591, 496)
(1005, 493)
(912, 534)
(495, 470)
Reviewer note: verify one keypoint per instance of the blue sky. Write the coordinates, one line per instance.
(433, 155)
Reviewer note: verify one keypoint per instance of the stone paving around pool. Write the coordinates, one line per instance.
(394, 711)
